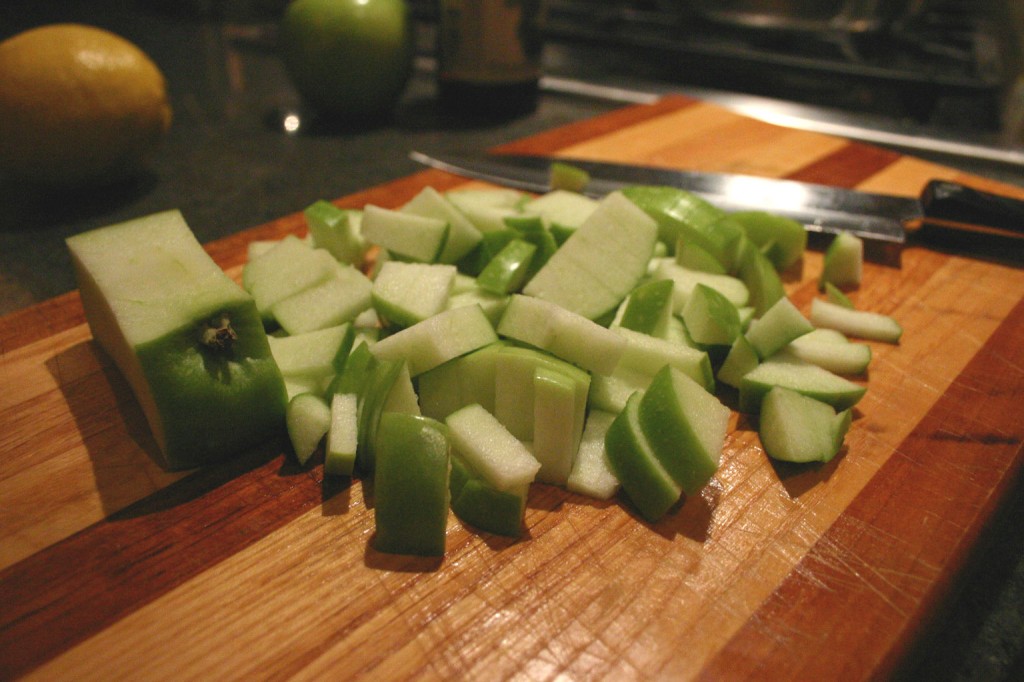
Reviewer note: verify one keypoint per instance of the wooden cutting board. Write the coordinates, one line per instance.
(110, 567)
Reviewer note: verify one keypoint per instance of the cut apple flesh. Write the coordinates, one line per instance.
(786, 370)
(488, 447)
(591, 474)
(781, 324)
(795, 428)
(601, 262)
(188, 339)
(859, 323)
(561, 332)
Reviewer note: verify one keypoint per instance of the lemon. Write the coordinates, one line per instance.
(78, 105)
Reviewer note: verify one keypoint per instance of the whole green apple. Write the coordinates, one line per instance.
(350, 59)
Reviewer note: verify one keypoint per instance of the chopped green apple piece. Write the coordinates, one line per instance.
(189, 340)
(463, 381)
(486, 208)
(834, 294)
(677, 333)
(284, 270)
(741, 359)
(695, 257)
(342, 435)
(631, 458)
(412, 237)
(561, 332)
(795, 428)
(844, 261)
(610, 392)
(760, 276)
(336, 300)
(493, 197)
(506, 272)
(488, 447)
(491, 244)
(353, 375)
(410, 485)
(777, 327)
(591, 474)
(557, 411)
(383, 379)
(515, 372)
(710, 317)
(647, 355)
(337, 230)
(314, 356)
(685, 281)
(785, 238)
(493, 305)
(308, 419)
(686, 427)
(603, 260)
(684, 216)
(859, 323)
(562, 208)
(567, 177)
(258, 247)
(786, 370)
(831, 350)
(648, 309)
(478, 503)
(403, 397)
(438, 339)
(532, 230)
(462, 236)
(463, 283)
(407, 293)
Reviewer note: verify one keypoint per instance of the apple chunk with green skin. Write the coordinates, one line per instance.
(786, 370)
(478, 503)
(631, 458)
(863, 324)
(188, 339)
(648, 309)
(795, 428)
(843, 262)
(410, 483)
(686, 427)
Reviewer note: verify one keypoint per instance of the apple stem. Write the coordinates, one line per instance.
(219, 335)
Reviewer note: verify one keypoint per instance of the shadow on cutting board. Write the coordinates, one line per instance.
(125, 459)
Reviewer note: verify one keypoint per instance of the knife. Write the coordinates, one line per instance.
(820, 208)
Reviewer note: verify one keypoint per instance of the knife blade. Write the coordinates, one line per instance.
(820, 208)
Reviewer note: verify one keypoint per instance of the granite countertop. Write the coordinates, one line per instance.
(228, 165)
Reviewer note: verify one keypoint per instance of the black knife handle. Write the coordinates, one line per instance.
(949, 204)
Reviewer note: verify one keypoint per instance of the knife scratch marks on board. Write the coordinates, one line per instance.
(857, 570)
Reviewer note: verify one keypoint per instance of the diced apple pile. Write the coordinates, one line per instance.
(499, 340)
(502, 339)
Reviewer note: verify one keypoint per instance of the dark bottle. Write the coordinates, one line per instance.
(489, 56)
